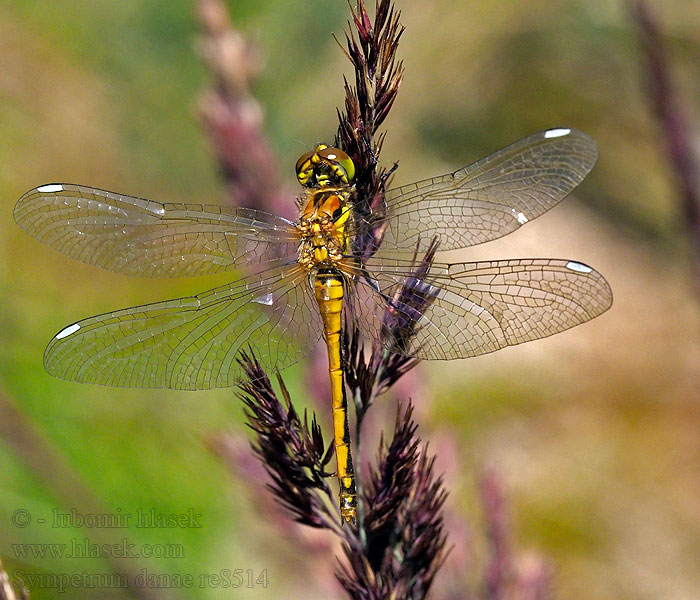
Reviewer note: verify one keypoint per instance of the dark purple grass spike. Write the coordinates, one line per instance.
(405, 539)
(676, 128)
(293, 453)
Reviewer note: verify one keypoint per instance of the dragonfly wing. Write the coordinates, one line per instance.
(467, 309)
(135, 236)
(193, 343)
(492, 197)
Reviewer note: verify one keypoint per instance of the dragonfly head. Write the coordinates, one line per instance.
(325, 166)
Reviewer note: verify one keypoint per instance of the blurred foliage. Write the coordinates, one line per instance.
(596, 431)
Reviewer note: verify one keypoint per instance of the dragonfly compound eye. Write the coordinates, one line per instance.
(341, 164)
(305, 167)
(325, 166)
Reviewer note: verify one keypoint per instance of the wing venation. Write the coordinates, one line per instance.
(467, 309)
(492, 197)
(192, 343)
(135, 236)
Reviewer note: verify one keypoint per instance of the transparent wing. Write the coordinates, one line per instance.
(491, 197)
(192, 343)
(467, 309)
(135, 236)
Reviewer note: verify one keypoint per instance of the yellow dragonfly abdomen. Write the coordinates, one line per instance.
(329, 291)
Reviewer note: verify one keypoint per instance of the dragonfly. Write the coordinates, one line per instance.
(302, 273)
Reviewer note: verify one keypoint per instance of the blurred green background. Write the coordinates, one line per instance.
(595, 431)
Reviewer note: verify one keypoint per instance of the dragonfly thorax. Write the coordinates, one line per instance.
(323, 227)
